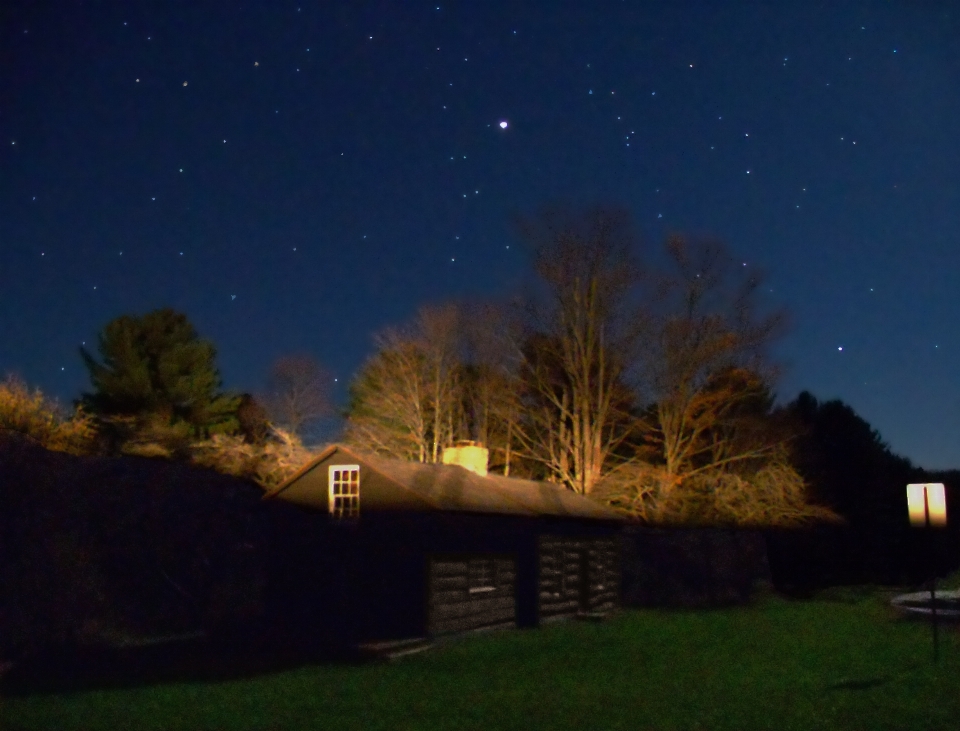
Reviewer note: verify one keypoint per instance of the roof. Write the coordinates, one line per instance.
(451, 488)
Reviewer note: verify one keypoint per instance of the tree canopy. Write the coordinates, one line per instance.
(648, 390)
(157, 380)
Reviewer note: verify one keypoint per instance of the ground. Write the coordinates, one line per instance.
(840, 661)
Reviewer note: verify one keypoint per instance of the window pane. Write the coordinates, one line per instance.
(344, 490)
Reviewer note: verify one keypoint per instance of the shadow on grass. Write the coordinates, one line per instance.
(73, 669)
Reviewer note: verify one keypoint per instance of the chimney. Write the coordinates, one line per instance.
(469, 455)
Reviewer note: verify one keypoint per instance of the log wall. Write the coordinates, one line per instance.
(471, 592)
(577, 575)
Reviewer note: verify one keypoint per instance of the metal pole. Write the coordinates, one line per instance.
(933, 604)
(933, 581)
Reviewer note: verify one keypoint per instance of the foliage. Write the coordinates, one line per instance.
(156, 386)
(254, 422)
(30, 413)
(268, 462)
(847, 461)
(773, 494)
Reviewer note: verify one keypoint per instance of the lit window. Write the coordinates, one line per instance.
(345, 490)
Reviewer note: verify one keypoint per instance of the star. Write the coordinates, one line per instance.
(504, 124)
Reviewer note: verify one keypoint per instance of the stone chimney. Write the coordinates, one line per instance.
(469, 455)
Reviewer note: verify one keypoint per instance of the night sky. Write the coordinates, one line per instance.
(296, 176)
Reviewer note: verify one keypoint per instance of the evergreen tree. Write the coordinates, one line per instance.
(157, 383)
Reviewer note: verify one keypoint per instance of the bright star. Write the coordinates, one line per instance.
(504, 124)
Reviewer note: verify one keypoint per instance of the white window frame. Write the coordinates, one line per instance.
(343, 493)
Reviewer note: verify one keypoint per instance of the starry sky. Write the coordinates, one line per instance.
(296, 175)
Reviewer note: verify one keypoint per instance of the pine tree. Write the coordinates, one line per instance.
(157, 383)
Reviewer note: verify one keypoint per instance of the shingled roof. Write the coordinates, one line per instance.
(451, 488)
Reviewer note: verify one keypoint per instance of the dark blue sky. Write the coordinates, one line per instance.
(296, 176)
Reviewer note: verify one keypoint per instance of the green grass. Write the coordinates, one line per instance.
(844, 662)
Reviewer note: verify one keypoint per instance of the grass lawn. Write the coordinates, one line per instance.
(846, 663)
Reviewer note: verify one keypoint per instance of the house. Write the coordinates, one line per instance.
(386, 549)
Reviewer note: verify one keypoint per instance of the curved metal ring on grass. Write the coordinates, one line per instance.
(918, 602)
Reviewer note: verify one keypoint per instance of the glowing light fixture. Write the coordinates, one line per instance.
(927, 504)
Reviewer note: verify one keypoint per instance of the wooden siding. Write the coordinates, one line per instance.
(577, 575)
(471, 592)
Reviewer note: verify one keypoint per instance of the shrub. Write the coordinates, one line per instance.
(268, 462)
(773, 495)
(27, 411)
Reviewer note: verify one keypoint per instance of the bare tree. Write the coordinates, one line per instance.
(298, 392)
(581, 343)
(388, 411)
(706, 360)
(406, 402)
(491, 382)
(717, 456)
(438, 337)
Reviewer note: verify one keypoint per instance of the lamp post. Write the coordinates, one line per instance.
(927, 504)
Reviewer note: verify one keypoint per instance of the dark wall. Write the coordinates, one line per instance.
(577, 574)
(341, 581)
(106, 551)
(120, 549)
(692, 567)
(471, 591)
(805, 560)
